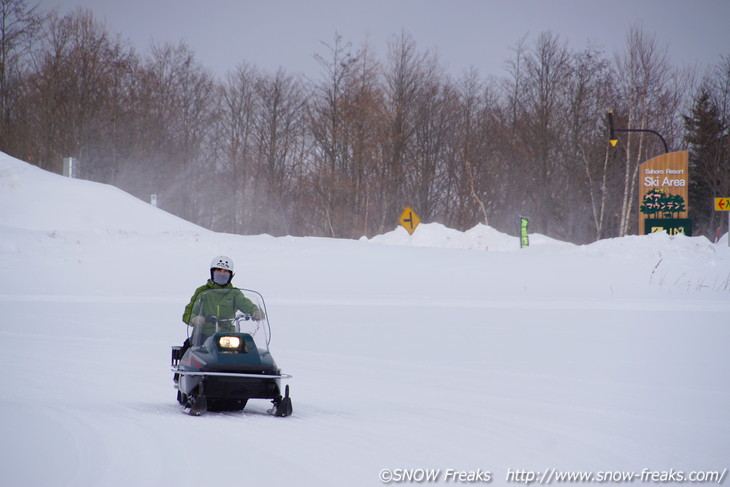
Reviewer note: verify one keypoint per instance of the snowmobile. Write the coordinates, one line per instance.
(228, 360)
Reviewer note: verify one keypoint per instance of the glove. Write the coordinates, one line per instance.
(197, 320)
(258, 315)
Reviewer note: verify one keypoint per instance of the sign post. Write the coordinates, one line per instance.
(69, 167)
(723, 204)
(409, 220)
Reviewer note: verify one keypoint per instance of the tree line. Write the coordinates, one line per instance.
(342, 154)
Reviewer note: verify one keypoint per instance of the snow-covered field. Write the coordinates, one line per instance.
(445, 350)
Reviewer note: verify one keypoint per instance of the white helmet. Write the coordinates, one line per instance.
(220, 278)
(222, 262)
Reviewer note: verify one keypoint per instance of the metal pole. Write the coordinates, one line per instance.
(69, 168)
(666, 148)
(614, 140)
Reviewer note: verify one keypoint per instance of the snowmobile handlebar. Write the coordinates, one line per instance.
(239, 317)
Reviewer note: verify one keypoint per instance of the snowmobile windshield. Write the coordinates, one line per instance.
(230, 310)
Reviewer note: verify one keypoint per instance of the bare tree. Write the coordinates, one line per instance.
(587, 142)
(432, 146)
(539, 127)
(512, 86)
(234, 146)
(175, 104)
(409, 75)
(363, 108)
(472, 176)
(72, 95)
(647, 98)
(19, 25)
(347, 179)
(329, 185)
(280, 146)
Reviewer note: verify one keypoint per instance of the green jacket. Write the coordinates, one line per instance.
(220, 304)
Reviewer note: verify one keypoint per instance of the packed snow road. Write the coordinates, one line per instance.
(463, 385)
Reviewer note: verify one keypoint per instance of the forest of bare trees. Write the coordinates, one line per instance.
(342, 154)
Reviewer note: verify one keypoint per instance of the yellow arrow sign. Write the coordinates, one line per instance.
(409, 220)
(722, 204)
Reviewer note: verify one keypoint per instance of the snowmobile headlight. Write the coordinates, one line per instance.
(229, 342)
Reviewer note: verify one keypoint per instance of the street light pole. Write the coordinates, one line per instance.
(614, 140)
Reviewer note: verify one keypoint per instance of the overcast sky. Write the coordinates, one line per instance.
(465, 33)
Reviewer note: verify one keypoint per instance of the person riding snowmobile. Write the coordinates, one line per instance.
(222, 305)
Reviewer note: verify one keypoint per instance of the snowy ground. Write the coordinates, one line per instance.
(445, 350)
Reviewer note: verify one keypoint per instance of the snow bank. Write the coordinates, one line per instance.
(34, 199)
(481, 237)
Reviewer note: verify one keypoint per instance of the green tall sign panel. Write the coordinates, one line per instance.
(524, 239)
